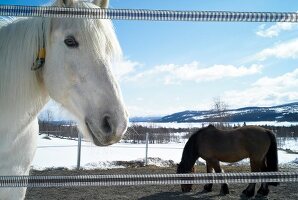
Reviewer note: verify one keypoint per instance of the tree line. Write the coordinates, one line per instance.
(156, 134)
(65, 129)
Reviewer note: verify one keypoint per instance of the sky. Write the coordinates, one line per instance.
(175, 66)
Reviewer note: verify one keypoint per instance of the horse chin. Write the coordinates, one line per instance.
(97, 140)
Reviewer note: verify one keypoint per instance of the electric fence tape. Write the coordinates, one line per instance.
(145, 179)
(141, 14)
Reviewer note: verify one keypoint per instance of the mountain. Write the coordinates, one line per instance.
(282, 113)
(285, 112)
(144, 119)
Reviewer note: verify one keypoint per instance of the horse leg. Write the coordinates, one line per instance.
(215, 165)
(208, 187)
(224, 187)
(255, 167)
(264, 189)
(250, 190)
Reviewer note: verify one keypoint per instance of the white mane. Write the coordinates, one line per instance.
(18, 84)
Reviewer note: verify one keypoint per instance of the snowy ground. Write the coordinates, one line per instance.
(63, 153)
(200, 124)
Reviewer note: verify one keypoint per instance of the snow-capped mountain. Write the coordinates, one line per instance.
(286, 112)
(281, 113)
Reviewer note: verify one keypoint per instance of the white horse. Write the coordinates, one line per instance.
(76, 73)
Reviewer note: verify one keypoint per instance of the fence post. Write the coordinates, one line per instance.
(79, 151)
(146, 156)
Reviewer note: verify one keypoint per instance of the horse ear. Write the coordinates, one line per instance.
(101, 3)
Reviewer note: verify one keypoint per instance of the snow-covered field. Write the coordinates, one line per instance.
(201, 124)
(63, 153)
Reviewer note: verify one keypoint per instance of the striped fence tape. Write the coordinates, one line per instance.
(141, 14)
(145, 179)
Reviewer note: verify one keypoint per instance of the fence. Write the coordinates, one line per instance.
(146, 150)
(148, 179)
(152, 15)
(145, 179)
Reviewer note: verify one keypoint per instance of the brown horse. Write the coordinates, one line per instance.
(214, 145)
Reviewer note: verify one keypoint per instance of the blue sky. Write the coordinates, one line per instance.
(176, 66)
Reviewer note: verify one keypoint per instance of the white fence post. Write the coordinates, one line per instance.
(146, 156)
(79, 150)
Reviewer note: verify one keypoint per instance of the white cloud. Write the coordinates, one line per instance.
(284, 81)
(266, 92)
(141, 110)
(123, 67)
(174, 74)
(287, 49)
(276, 29)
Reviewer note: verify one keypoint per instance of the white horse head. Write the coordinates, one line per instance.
(77, 73)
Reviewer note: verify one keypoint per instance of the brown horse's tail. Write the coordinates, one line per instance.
(271, 156)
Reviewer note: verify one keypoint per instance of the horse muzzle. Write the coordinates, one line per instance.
(106, 131)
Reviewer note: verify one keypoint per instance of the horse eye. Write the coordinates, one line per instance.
(70, 41)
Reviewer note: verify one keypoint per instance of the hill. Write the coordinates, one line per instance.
(281, 113)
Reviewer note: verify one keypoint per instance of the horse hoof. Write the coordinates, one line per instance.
(207, 188)
(224, 190)
(248, 193)
(263, 192)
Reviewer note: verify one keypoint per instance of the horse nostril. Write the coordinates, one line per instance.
(106, 124)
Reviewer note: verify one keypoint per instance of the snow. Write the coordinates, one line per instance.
(200, 124)
(288, 143)
(271, 123)
(55, 152)
(284, 157)
(199, 117)
(63, 153)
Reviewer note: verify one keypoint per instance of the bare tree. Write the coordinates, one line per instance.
(220, 112)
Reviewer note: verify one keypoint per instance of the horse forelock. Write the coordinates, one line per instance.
(103, 34)
(99, 34)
